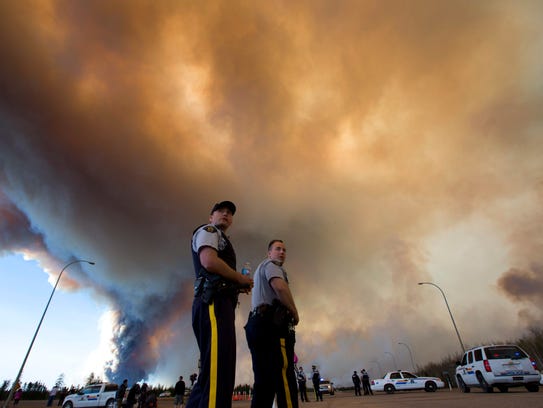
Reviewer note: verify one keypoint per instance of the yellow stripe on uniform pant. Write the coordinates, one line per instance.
(284, 372)
(214, 357)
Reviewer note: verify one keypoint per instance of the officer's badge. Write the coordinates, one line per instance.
(209, 228)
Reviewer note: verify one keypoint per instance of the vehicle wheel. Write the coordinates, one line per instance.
(68, 405)
(503, 388)
(430, 386)
(110, 403)
(483, 383)
(389, 389)
(462, 385)
(532, 387)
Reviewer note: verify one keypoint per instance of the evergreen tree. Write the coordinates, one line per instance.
(93, 379)
(60, 381)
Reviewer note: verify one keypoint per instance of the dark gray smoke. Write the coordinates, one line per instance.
(523, 285)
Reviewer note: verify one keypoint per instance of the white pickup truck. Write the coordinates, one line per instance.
(94, 395)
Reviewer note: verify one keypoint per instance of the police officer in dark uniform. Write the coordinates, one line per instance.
(302, 380)
(316, 378)
(366, 382)
(270, 333)
(216, 294)
(356, 382)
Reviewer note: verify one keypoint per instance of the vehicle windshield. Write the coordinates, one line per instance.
(93, 389)
(501, 352)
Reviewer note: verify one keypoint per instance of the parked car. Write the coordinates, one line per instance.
(500, 366)
(404, 381)
(327, 387)
(94, 395)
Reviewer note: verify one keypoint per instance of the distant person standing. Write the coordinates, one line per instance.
(132, 396)
(302, 387)
(142, 399)
(316, 379)
(151, 401)
(52, 395)
(119, 396)
(17, 396)
(193, 377)
(356, 382)
(366, 382)
(270, 332)
(179, 393)
(61, 395)
(213, 310)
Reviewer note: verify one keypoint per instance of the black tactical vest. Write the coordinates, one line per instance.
(225, 252)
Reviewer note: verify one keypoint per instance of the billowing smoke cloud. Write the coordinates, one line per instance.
(16, 230)
(385, 143)
(523, 285)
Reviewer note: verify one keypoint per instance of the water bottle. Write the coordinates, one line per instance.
(246, 270)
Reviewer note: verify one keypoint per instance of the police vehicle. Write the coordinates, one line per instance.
(500, 366)
(404, 381)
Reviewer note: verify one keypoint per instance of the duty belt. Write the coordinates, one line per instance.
(208, 289)
(261, 310)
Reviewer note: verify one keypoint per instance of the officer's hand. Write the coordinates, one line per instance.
(295, 319)
(245, 283)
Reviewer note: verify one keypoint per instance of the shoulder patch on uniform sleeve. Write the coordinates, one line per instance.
(209, 228)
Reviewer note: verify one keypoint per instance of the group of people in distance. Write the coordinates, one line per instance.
(269, 329)
(141, 396)
(364, 379)
(315, 379)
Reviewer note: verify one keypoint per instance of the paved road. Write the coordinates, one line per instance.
(515, 398)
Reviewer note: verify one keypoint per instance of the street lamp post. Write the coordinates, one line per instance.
(378, 366)
(410, 355)
(6, 402)
(393, 360)
(450, 313)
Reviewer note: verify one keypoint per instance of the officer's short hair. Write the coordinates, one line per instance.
(273, 241)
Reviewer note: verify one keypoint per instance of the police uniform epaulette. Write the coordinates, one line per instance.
(210, 228)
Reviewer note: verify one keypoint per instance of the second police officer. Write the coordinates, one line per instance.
(270, 332)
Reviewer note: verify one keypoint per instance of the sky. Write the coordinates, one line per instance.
(387, 143)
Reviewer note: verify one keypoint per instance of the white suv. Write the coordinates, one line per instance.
(497, 366)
